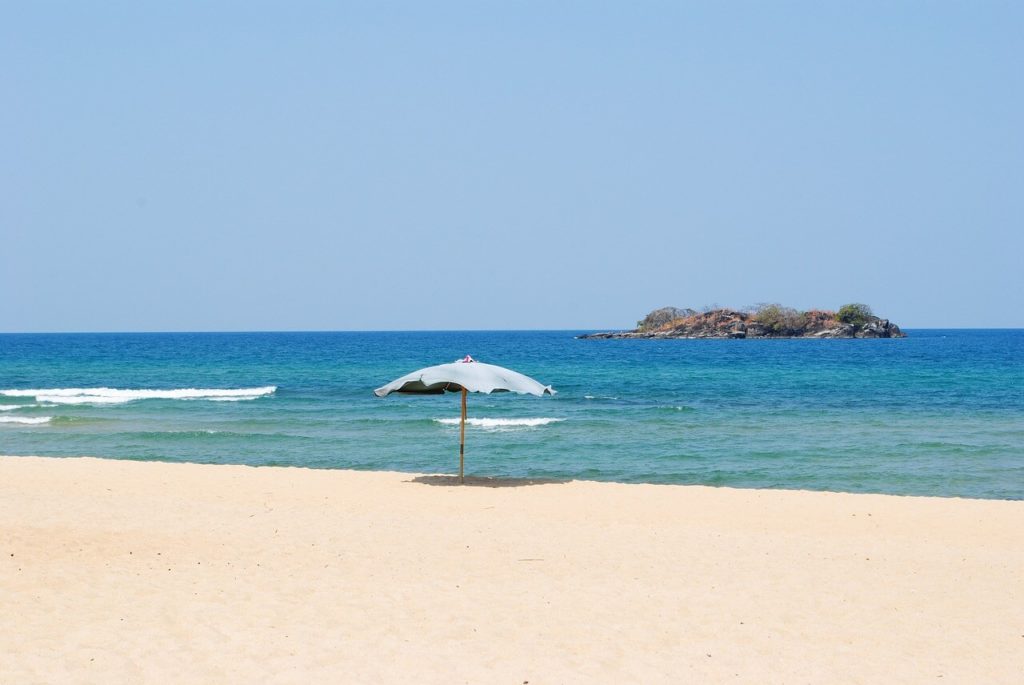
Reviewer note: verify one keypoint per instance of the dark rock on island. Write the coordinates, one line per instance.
(763, 321)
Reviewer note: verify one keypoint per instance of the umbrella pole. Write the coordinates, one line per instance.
(462, 438)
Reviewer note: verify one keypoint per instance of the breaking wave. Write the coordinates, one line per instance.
(118, 396)
(26, 420)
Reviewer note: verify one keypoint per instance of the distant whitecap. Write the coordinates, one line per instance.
(501, 423)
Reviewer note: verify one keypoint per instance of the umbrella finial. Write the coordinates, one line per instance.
(467, 360)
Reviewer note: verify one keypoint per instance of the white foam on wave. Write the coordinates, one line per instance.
(12, 407)
(501, 423)
(25, 420)
(119, 396)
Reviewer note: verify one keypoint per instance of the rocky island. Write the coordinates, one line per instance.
(763, 321)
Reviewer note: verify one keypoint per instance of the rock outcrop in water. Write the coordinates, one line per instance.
(765, 321)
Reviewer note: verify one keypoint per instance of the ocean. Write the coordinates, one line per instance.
(938, 413)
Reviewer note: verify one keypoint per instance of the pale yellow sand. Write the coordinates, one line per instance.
(114, 571)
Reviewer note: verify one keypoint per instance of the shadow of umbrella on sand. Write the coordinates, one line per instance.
(465, 376)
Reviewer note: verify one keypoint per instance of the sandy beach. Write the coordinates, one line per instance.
(116, 571)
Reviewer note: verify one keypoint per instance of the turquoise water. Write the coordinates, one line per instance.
(938, 413)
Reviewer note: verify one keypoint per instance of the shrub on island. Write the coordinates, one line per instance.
(780, 320)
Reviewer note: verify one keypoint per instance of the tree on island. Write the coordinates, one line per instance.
(856, 314)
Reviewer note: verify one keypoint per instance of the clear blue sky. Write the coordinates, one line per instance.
(376, 165)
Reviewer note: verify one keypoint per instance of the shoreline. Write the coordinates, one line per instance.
(512, 481)
(141, 571)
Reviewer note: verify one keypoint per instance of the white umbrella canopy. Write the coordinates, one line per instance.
(466, 375)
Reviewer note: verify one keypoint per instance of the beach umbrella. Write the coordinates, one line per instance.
(465, 375)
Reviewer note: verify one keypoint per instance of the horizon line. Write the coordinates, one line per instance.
(427, 330)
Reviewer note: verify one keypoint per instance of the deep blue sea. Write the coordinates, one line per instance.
(938, 413)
